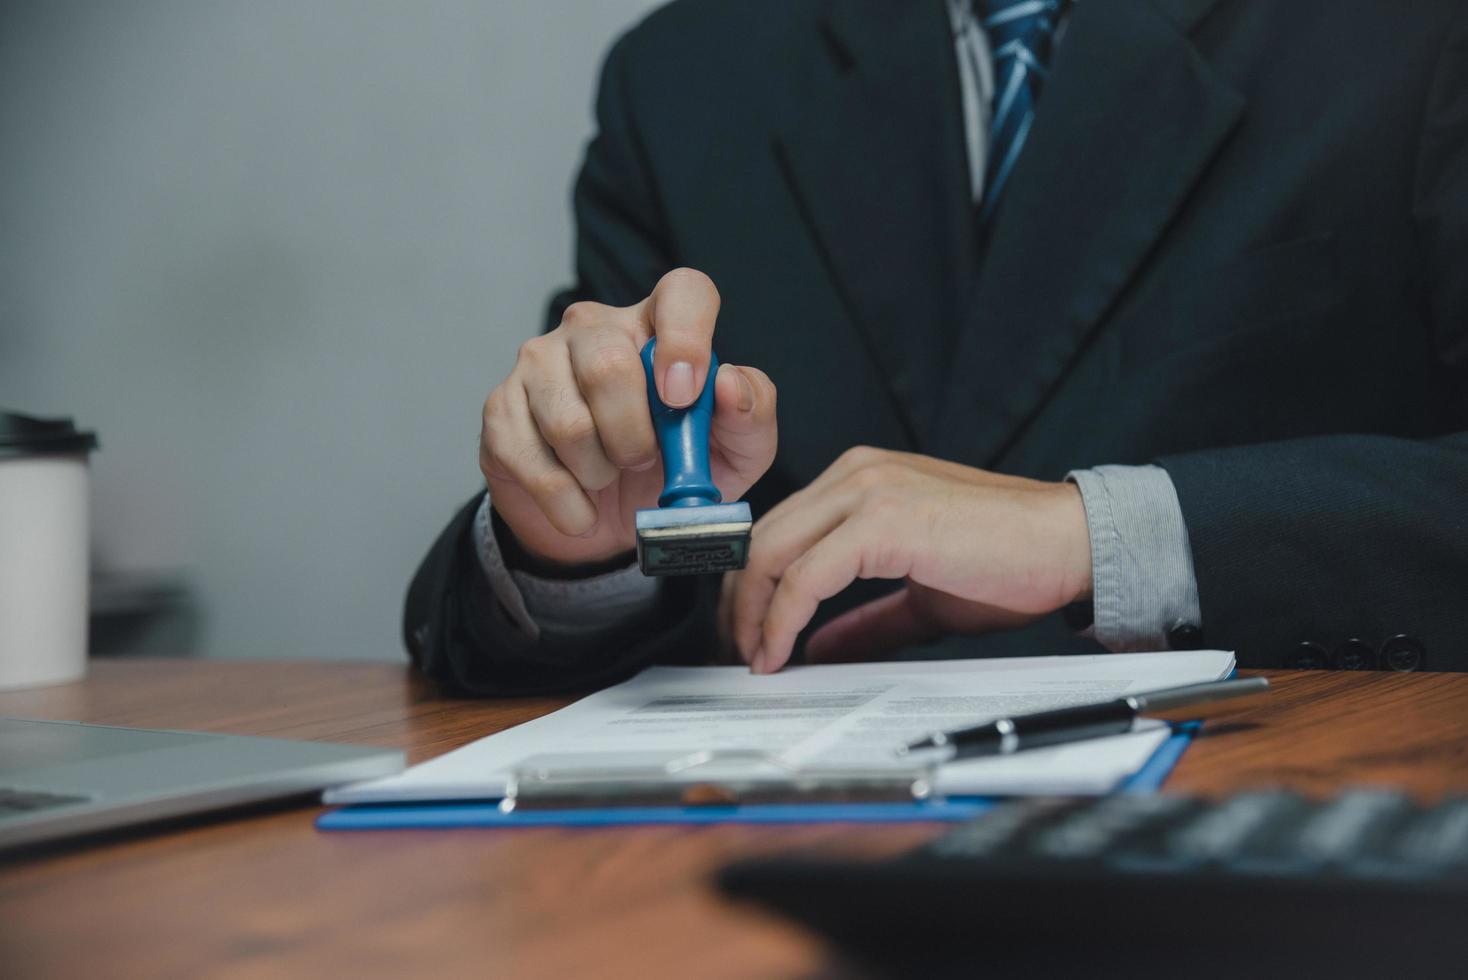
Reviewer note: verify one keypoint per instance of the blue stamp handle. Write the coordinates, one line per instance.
(683, 438)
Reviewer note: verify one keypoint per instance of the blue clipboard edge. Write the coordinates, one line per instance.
(483, 813)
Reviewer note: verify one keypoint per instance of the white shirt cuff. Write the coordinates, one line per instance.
(1142, 576)
(565, 606)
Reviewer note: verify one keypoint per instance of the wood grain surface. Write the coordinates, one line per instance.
(263, 894)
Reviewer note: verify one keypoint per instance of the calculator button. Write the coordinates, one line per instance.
(996, 833)
(1096, 831)
(1347, 825)
(1325, 835)
(1223, 831)
(1439, 837)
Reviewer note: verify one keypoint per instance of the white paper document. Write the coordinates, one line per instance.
(829, 716)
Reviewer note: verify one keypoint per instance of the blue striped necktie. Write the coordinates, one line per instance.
(1020, 34)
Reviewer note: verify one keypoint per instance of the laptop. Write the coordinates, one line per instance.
(60, 778)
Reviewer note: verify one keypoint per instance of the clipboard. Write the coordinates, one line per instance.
(811, 807)
(703, 778)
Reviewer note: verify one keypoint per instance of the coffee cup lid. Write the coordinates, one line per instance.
(25, 435)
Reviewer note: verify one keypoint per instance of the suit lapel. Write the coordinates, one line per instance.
(876, 158)
(1128, 122)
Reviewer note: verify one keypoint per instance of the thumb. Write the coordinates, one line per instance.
(681, 313)
(871, 630)
(743, 433)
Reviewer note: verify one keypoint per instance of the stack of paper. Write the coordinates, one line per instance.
(846, 715)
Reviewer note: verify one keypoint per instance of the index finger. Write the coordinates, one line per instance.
(681, 312)
(830, 566)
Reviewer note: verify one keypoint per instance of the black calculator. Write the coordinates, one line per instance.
(1258, 884)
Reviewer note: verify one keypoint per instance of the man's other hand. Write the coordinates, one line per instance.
(567, 443)
(978, 552)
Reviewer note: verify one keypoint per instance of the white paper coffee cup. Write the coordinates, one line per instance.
(44, 549)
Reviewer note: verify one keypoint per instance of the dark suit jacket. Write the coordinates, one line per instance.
(1236, 244)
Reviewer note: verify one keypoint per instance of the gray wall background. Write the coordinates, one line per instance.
(276, 252)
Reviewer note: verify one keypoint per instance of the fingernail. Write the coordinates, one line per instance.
(678, 384)
(746, 392)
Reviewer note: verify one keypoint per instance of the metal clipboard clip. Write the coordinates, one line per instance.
(705, 778)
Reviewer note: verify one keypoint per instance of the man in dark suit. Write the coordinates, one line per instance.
(1193, 274)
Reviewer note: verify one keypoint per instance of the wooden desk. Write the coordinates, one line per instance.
(264, 894)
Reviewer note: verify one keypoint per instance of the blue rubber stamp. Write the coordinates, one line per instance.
(691, 531)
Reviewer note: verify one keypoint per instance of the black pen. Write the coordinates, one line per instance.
(1034, 731)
